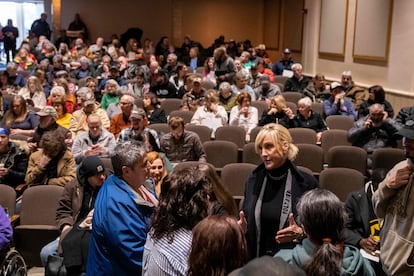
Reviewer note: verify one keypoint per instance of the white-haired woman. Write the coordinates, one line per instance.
(307, 118)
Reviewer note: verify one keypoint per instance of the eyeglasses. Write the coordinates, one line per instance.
(121, 103)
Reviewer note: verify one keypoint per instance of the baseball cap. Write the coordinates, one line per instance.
(197, 80)
(286, 51)
(86, 95)
(47, 111)
(4, 131)
(90, 166)
(264, 79)
(336, 84)
(138, 113)
(408, 129)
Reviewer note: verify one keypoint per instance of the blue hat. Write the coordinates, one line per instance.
(4, 131)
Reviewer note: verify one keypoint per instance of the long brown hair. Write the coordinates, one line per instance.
(218, 247)
(10, 117)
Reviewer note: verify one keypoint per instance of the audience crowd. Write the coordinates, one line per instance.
(67, 106)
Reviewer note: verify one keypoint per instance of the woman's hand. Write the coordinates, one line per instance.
(242, 221)
(290, 233)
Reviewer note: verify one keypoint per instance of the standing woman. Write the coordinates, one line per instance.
(155, 114)
(184, 201)
(272, 192)
(19, 119)
(323, 252)
(33, 93)
(218, 247)
(244, 115)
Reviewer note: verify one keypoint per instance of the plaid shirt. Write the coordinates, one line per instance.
(128, 134)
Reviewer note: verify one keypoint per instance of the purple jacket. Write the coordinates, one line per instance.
(6, 231)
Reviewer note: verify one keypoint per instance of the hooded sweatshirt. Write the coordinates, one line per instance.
(352, 264)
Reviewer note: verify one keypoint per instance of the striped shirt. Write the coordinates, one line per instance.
(164, 258)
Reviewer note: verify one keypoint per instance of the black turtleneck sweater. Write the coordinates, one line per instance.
(271, 209)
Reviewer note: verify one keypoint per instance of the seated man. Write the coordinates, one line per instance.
(195, 97)
(266, 90)
(121, 121)
(357, 94)
(162, 87)
(139, 132)
(121, 216)
(14, 160)
(181, 145)
(47, 122)
(363, 226)
(89, 106)
(338, 104)
(404, 115)
(75, 203)
(298, 82)
(97, 141)
(285, 63)
(52, 164)
(374, 131)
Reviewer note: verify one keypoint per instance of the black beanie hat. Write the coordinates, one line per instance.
(90, 166)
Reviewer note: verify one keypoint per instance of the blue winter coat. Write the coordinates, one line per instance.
(119, 230)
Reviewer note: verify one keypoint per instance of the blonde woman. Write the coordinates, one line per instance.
(211, 114)
(33, 93)
(278, 113)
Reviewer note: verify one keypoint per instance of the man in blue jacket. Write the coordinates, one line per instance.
(122, 215)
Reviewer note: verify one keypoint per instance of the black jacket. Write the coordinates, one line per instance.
(301, 183)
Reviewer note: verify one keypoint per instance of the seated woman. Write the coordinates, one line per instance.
(19, 119)
(307, 118)
(244, 115)
(278, 113)
(64, 116)
(226, 97)
(218, 247)
(323, 252)
(69, 97)
(52, 164)
(111, 94)
(187, 196)
(33, 93)
(178, 78)
(155, 114)
(156, 170)
(211, 114)
(376, 95)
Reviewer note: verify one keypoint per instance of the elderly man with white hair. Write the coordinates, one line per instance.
(298, 82)
(355, 93)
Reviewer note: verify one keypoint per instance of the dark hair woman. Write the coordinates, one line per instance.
(155, 114)
(187, 196)
(323, 252)
(376, 95)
